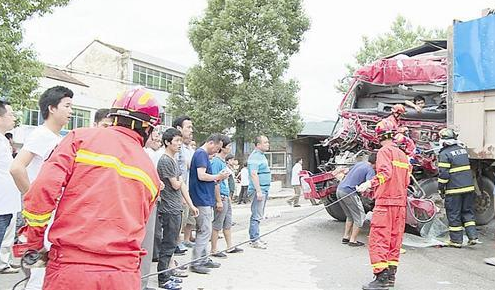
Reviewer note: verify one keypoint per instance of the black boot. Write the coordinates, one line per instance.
(380, 282)
(391, 275)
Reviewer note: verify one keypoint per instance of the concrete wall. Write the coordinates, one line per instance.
(104, 70)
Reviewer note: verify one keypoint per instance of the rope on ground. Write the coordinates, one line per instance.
(249, 240)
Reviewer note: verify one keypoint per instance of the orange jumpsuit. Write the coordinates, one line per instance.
(103, 186)
(389, 215)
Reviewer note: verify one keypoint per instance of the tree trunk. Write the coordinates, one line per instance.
(240, 127)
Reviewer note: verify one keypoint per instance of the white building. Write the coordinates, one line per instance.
(98, 74)
(109, 70)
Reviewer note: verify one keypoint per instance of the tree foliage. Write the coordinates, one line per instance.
(402, 35)
(244, 48)
(19, 68)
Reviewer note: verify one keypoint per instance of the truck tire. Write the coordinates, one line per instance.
(485, 209)
(335, 210)
(484, 204)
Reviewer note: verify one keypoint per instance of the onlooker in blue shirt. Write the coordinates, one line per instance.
(352, 205)
(223, 211)
(202, 192)
(259, 186)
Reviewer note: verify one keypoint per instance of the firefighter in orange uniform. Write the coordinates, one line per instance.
(404, 142)
(103, 186)
(389, 215)
(393, 120)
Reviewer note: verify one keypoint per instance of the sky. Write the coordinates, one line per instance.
(159, 28)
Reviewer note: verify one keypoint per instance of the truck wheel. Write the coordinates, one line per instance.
(430, 188)
(335, 210)
(485, 210)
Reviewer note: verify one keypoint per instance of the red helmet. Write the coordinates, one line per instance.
(384, 130)
(137, 104)
(398, 108)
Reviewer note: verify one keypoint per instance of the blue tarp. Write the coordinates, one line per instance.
(474, 55)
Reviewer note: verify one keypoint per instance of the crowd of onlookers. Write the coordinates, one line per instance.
(198, 188)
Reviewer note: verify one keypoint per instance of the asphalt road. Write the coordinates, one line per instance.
(309, 255)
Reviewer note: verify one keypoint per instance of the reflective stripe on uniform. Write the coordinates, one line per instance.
(444, 164)
(393, 263)
(39, 217)
(36, 220)
(460, 168)
(381, 178)
(460, 190)
(455, 228)
(380, 265)
(96, 159)
(469, 223)
(443, 181)
(400, 164)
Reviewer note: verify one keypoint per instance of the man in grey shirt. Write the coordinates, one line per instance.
(170, 208)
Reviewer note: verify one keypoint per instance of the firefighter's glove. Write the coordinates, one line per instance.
(441, 192)
(364, 186)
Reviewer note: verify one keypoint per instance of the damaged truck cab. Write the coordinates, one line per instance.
(427, 71)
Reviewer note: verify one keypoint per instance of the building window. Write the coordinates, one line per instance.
(80, 118)
(166, 119)
(157, 80)
(31, 117)
(276, 159)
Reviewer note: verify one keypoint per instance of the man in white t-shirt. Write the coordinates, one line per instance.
(56, 109)
(296, 183)
(10, 199)
(244, 175)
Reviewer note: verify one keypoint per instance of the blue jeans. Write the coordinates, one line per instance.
(257, 213)
(4, 223)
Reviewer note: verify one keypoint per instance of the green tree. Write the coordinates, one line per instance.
(244, 48)
(19, 68)
(402, 35)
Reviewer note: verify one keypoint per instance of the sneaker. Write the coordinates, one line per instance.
(474, 241)
(176, 263)
(170, 285)
(199, 269)
(235, 250)
(355, 244)
(175, 280)
(188, 244)
(258, 244)
(220, 255)
(211, 264)
(297, 205)
(10, 270)
(180, 273)
(181, 247)
(345, 240)
(179, 251)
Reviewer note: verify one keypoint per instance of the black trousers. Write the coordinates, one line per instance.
(171, 224)
(243, 197)
(460, 213)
